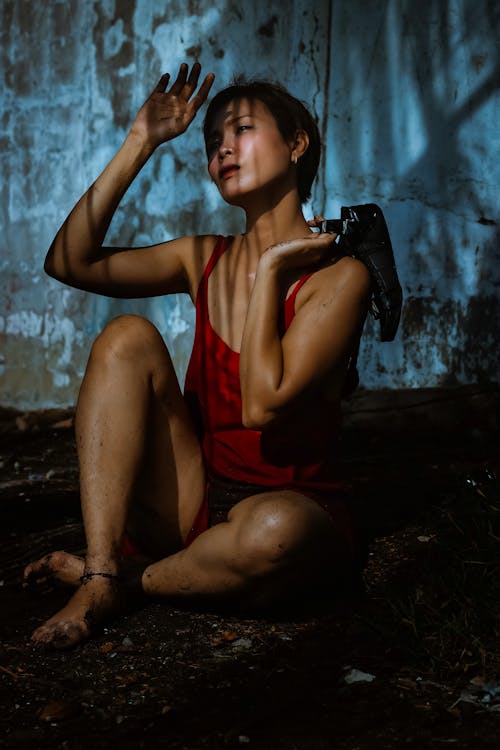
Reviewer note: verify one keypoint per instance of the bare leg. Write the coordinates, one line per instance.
(273, 548)
(132, 424)
(140, 460)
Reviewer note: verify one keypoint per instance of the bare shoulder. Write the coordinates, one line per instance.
(345, 275)
(194, 253)
(347, 270)
(192, 246)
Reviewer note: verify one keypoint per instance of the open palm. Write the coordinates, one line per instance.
(167, 113)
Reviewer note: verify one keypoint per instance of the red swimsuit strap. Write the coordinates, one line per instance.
(290, 301)
(220, 248)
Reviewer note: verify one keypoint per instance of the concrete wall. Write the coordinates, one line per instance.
(408, 106)
(414, 124)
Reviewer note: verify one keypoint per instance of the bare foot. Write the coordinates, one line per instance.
(93, 602)
(57, 567)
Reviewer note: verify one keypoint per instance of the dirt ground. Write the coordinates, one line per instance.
(377, 670)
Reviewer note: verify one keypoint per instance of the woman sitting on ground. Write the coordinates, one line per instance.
(278, 319)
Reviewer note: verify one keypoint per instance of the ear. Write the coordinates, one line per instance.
(299, 145)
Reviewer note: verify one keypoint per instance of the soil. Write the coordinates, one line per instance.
(351, 675)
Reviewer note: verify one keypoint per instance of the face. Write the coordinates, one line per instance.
(246, 152)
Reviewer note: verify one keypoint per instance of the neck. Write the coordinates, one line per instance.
(281, 222)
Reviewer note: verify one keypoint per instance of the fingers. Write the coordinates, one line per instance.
(312, 241)
(180, 81)
(319, 242)
(324, 238)
(192, 83)
(192, 80)
(317, 221)
(203, 91)
(184, 85)
(162, 83)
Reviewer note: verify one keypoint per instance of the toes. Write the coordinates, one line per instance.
(41, 636)
(89, 606)
(59, 566)
(41, 567)
(29, 571)
(38, 635)
(36, 573)
(69, 636)
(60, 636)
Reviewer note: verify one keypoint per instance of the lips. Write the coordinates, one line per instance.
(228, 170)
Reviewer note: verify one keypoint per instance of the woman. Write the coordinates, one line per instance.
(278, 320)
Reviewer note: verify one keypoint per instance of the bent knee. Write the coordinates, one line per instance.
(276, 533)
(128, 337)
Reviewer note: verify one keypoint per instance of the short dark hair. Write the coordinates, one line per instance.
(290, 115)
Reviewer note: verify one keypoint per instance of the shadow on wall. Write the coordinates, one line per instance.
(197, 207)
(172, 196)
(406, 100)
(413, 128)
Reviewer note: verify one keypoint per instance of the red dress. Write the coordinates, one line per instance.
(297, 454)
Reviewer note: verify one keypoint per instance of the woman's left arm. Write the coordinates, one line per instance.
(275, 371)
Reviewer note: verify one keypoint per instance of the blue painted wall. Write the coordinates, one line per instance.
(407, 97)
(414, 123)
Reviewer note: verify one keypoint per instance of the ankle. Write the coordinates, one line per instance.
(91, 575)
(103, 566)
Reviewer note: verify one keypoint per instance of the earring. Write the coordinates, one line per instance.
(294, 159)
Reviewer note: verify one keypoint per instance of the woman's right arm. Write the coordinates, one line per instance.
(77, 256)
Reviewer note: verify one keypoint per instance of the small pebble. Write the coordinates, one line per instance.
(356, 675)
(242, 644)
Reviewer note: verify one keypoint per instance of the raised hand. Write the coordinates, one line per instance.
(167, 113)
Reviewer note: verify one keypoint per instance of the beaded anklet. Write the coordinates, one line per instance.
(91, 574)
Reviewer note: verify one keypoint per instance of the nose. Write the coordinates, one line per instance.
(225, 148)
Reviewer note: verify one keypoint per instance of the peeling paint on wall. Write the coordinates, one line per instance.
(408, 105)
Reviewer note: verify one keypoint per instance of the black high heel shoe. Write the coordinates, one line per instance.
(363, 234)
